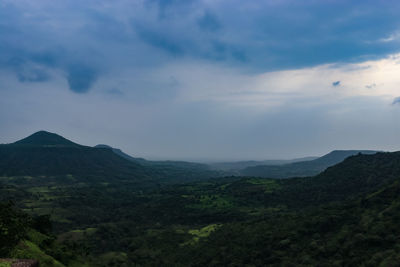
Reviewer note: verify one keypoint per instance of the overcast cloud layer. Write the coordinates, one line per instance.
(203, 80)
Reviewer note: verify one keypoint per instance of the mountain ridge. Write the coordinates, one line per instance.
(235, 166)
(48, 154)
(303, 168)
(156, 163)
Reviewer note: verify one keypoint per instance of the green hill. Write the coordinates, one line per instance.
(48, 154)
(302, 168)
(345, 216)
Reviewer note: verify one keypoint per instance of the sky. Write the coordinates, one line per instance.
(203, 80)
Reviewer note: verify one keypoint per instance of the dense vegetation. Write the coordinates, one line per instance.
(302, 168)
(346, 216)
(237, 166)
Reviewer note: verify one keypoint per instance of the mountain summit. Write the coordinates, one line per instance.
(43, 138)
(49, 154)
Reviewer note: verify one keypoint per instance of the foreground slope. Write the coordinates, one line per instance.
(362, 232)
(346, 216)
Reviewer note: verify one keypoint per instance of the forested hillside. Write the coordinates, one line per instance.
(302, 168)
(48, 154)
(346, 216)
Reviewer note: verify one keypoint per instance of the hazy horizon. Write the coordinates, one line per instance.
(203, 80)
(199, 160)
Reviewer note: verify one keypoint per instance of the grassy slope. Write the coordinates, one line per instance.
(29, 250)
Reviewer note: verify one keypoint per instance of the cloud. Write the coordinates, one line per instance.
(252, 37)
(262, 36)
(209, 22)
(81, 78)
(159, 40)
(207, 110)
(165, 7)
(115, 92)
(335, 84)
(32, 75)
(239, 55)
(370, 86)
(396, 101)
(392, 37)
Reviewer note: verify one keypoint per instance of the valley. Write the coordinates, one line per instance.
(100, 209)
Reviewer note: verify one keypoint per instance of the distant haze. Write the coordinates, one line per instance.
(203, 80)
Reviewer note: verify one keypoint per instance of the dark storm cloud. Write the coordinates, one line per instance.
(164, 4)
(258, 36)
(25, 71)
(209, 22)
(30, 49)
(169, 7)
(106, 28)
(187, 69)
(306, 33)
(81, 78)
(335, 84)
(159, 40)
(239, 55)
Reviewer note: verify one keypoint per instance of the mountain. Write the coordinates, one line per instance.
(239, 165)
(157, 163)
(122, 154)
(357, 175)
(345, 216)
(48, 154)
(302, 168)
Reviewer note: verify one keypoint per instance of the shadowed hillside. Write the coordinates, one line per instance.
(48, 154)
(345, 216)
(236, 166)
(303, 168)
(158, 163)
